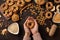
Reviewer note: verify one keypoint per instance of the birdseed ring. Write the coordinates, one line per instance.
(49, 5)
(48, 15)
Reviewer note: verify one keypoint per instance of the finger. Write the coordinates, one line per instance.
(36, 25)
(26, 20)
(25, 27)
(29, 18)
(35, 21)
(32, 17)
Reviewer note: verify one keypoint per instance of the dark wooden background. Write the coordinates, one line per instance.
(42, 30)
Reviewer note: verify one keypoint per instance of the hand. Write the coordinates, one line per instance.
(35, 29)
(27, 31)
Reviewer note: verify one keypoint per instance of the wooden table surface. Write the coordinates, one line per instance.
(42, 30)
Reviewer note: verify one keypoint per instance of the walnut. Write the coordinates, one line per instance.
(15, 17)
